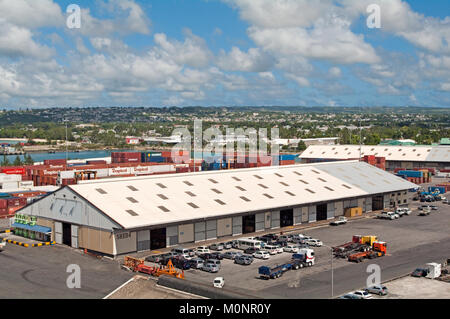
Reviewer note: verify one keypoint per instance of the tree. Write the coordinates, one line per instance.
(17, 161)
(5, 161)
(28, 160)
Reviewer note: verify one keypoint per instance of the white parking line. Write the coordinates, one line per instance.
(118, 288)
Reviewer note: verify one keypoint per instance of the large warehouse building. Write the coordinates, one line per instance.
(119, 216)
(407, 157)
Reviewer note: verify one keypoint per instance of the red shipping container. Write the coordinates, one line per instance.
(13, 170)
(16, 201)
(55, 162)
(3, 203)
(4, 211)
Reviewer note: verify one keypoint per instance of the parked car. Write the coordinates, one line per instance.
(291, 248)
(261, 254)
(349, 296)
(235, 244)
(243, 260)
(420, 272)
(340, 221)
(166, 257)
(205, 256)
(181, 263)
(287, 238)
(228, 245)
(219, 282)
(196, 263)
(425, 212)
(230, 255)
(216, 255)
(314, 242)
(388, 215)
(378, 289)
(154, 258)
(433, 207)
(271, 249)
(402, 211)
(362, 294)
(202, 250)
(181, 252)
(191, 252)
(217, 247)
(210, 268)
(251, 250)
(214, 262)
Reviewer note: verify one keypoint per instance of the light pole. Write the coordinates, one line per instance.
(332, 270)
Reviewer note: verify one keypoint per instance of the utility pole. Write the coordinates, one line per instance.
(67, 152)
(360, 139)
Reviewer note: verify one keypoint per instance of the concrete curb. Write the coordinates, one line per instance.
(18, 243)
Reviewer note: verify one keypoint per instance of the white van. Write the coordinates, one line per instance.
(182, 252)
(271, 249)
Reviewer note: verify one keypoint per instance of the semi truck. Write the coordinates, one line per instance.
(305, 258)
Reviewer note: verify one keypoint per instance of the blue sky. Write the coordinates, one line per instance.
(224, 52)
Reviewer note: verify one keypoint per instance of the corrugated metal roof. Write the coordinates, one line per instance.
(282, 186)
(391, 153)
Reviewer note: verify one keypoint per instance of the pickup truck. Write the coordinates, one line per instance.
(388, 215)
(401, 211)
(341, 221)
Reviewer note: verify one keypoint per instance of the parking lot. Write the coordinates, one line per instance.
(40, 272)
(411, 240)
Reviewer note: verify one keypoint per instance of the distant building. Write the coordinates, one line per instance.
(398, 142)
(405, 156)
(445, 141)
(133, 140)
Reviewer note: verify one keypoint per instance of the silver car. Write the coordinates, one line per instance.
(378, 290)
(210, 268)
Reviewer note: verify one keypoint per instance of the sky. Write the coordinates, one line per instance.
(224, 53)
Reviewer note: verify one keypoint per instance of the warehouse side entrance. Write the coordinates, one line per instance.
(248, 224)
(67, 234)
(377, 203)
(158, 238)
(321, 211)
(286, 217)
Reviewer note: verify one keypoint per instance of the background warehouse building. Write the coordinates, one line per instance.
(407, 157)
(135, 214)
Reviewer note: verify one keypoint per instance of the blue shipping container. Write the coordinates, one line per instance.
(432, 189)
(411, 173)
(287, 157)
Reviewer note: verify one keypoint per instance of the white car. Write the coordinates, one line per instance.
(291, 249)
(2, 245)
(279, 249)
(219, 282)
(261, 254)
(202, 250)
(362, 294)
(388, 215)
(314, 242)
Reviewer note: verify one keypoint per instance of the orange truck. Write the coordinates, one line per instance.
(377, 249)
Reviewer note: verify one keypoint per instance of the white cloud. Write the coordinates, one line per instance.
(18, 41)
(31, 13)
(252, 61)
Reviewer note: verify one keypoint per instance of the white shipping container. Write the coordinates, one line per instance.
(66, 174)
(26, 184)
(9, 185)
(141, 170)
(163, 168)
(10, 178)
(119, 171)
(102, 172)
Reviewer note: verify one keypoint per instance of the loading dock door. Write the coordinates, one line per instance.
(330, 211)
(312, 214)
(377, 202)
(58, 233)
(158, 239)
(276, 219)
(237, 226)
(286, 217)
(259, 222)
(211, 229)
(67, 234)
(200, 231)
(321, 212)
(74, 236)
(143, 240)
(248, 224)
